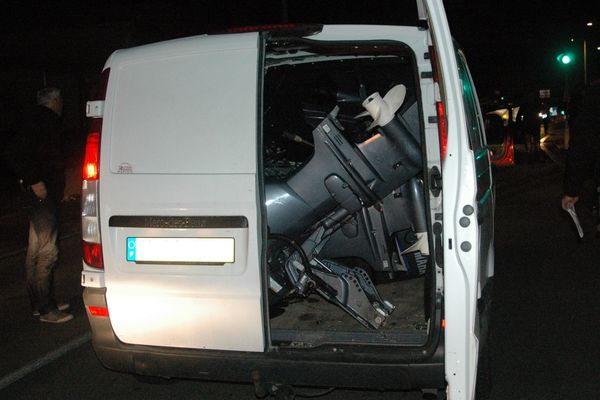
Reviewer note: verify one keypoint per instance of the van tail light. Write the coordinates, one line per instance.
(98, 311)
(260, 28)
(91, 160)
(92, 254)
(442, 128)
(283, 30)
(90, 217)
(439, 105)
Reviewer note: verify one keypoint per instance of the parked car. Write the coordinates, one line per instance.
(501, 129)
(308, 205)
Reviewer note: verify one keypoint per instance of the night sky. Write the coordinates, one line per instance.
(510, 45)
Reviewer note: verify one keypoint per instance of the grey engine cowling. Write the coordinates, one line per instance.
(340, 180)
(342, 175)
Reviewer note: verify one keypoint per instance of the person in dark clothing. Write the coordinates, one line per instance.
(528, 122)
(583, 157)
(35, 155)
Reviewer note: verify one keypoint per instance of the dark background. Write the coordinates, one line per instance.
(504, 40)
(511, 45)
(546, 341)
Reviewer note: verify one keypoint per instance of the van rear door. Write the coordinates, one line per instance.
(463, 203)
(179, 197)
(485, 187)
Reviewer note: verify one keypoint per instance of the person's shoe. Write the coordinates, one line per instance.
(60, 306)
(56, 317)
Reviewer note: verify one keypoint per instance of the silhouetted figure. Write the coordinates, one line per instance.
(583, 157)
(35, 155)
(528, 122)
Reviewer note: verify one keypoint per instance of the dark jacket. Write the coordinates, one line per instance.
(584, 150)
(35, 152)
(528, 119)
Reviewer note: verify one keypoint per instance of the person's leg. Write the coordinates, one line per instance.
(43, 221)
(527, 139)
(596, 207)
(536, 141)
(30, 266)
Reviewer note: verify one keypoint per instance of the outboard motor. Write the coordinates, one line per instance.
(340, 180)
(342, 175)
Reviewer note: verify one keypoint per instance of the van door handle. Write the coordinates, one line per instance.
(438, 244)
(435, 181)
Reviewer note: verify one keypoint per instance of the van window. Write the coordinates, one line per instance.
(476, 131)
(471, 107)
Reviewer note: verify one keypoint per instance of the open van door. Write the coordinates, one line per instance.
(467, 206)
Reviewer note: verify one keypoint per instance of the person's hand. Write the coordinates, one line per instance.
(569, 201)
(39, 189)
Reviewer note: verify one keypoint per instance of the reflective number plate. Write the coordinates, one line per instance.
(181, 250)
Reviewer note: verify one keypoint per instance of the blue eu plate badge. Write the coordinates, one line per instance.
(131, 249)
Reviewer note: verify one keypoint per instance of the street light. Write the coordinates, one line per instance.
(589, 24)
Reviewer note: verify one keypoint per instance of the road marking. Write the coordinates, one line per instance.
(44, 360)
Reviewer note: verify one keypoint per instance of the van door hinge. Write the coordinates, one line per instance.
(435, 177)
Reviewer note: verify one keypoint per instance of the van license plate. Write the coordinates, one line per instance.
(181, 250)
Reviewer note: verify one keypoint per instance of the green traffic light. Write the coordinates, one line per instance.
(564, 58)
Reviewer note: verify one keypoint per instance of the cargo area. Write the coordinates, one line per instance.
(347, 222)
(313, 321)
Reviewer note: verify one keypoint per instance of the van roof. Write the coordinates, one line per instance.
(247, 40)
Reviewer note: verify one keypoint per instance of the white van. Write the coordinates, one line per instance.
(308, 205)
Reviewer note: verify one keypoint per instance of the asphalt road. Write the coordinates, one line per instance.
(545, 337)
(545, 341)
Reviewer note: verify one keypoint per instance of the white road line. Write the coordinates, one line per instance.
(44, 360)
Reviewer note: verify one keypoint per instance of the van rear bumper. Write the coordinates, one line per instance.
(303, 367)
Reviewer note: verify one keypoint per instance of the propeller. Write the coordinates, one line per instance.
(383, 110)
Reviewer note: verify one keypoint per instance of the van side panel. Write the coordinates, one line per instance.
(164, 175)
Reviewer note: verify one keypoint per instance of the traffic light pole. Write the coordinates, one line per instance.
(566, 94)
(585, 62)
